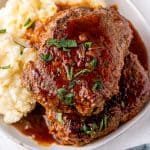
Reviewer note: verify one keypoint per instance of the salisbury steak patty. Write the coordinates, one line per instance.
(81, 73)
(75, 129)
(135, 87)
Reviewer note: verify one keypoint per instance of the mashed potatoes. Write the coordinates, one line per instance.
(15, 101)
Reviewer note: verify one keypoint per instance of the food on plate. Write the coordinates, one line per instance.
(135, 87)
(77, 65)
(85, 46)
(75, 129)
(16, 101)
(15, 18)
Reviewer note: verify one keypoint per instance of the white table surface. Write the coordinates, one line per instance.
(136, 135)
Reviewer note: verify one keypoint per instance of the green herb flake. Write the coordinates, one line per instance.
(69, 72)
(61, 92)
(67, 43)
(66, 49)
(71, 43)
(83, 71)
(53, 42)
(46, 57)
(105, 121)
(97, 86)
(93, 63)
(21, 52)
(5, 67)
(29, 23)
(87, 130)
(87, 45)
(62, 43)
(59, 118)
(18, 43)
(94, 126)
(101, 124)
(2, 30)
(69, 99)
(72, 84)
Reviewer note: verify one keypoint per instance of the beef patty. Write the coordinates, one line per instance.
(81, 55)
(74, 129)
(135, 87)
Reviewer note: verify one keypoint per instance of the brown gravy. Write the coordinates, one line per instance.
(137, 47)
(34, 124)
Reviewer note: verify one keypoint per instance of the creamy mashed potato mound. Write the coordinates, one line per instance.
(15, 101)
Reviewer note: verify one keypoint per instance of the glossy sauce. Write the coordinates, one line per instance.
(79, 59)
(137, 47)
(91, 28)
(34, 124)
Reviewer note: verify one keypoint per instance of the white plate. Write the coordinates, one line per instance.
(128, 10)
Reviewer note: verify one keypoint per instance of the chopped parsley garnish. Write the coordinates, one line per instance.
(62, 43)
(5, 67)
(87, 130)
(83, 71)
(53, 42)
(103, 123)
(105, 118)
(93, 63)
(94, 126)
(69, 72)
(87, 45)
(61, 93)
(66, 97)
(2, 30)
(97, 86)
(18, 43)
(59, 117)
(21, 45)
(69, 99)
(21, 52)
(67, 50)
(72, 84)
(46, 57)
(29, 23)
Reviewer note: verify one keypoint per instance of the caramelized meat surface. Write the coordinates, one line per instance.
(81, 55)
(135, 87)
(75, 129)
